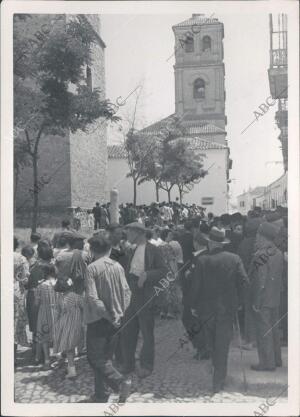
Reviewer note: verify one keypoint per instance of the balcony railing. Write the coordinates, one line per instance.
(283, 105)
(278, 58)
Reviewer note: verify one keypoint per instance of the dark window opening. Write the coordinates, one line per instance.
(206, 43)
(199, 88)
(189, 44)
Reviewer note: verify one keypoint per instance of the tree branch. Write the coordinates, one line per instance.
(28, 143)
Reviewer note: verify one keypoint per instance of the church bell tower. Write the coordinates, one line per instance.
(199, 74)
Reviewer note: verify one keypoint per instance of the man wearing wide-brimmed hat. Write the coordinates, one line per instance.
(220, 274)
(145, 268)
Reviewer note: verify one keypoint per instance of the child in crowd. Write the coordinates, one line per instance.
(69, 322)
(46, 299)
(29, 253)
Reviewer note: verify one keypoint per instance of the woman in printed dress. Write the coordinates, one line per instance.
(21, 272)
(171, 297)
(71, 268)
(46, 301)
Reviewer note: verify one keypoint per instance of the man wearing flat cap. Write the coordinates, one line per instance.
(266, 273)
(145, 268)
(221, 276)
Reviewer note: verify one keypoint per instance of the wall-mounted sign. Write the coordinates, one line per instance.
(206, 201)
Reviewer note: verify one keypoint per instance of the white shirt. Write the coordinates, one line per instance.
(138, 261)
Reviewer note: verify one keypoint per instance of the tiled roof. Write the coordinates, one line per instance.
(197, 19)
(204, 144)
(156, 127)
(201, 128)
(204, 128)
(116, 152)
(199, 144)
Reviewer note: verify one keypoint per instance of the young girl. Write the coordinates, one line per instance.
(45, 299)
(69, 322)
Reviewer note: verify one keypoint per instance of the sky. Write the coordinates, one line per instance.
(137, 52)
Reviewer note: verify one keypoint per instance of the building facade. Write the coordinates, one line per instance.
(199, 111)
(278, 77)
(200, 194)
(248, 200)
(72, 168)
(275, 194)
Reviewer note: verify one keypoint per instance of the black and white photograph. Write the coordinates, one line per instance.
(149, 231)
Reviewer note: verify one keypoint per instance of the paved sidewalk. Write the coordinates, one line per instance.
(179, 379)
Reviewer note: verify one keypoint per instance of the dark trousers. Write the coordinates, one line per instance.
(195, 330)
(138, 317)
(268, 337)
(97, 222)
(218, 330)
(100, 349)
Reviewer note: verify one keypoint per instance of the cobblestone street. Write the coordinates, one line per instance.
(179, 379)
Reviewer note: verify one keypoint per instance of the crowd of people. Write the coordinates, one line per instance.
(164, 261)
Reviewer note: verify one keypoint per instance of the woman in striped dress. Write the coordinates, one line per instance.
(68, 329)
(45, 300)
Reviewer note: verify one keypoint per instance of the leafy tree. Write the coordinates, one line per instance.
(137, 153)
(51, 95)
(157, 166)
(137, 150)
(172, 162)
(189, 169)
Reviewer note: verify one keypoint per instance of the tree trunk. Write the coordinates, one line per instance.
(134, 191)
(180, 194)
(35, 193)
(157, 192)
(169, 195)
(34, 154)
(17, 173)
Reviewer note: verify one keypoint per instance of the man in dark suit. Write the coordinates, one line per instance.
(266, 278)
(186, 241)
(221, 275)
(97, 216)
(145, 268)
(190, 298)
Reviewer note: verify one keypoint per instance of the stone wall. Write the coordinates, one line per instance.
(73, 168)
(89, 150)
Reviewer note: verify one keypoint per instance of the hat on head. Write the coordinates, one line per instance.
(268, 230)
(136, 226)
(217, 235)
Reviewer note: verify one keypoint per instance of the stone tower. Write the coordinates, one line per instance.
(72, 168)
(199, 74)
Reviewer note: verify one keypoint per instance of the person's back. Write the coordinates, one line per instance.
(223, 273)
(96, 212)
(267, 272)
(112, 287)
(186, 243)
